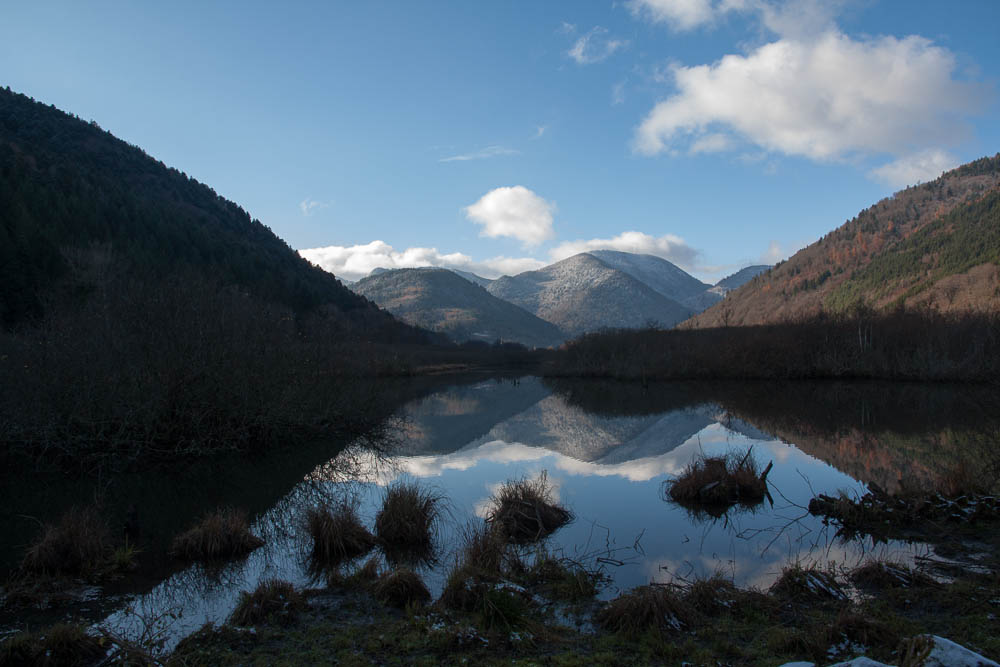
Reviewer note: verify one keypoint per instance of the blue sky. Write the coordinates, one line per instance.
(498, 137)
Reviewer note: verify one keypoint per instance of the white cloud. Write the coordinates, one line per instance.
(679, 14)
(539, 131)
(825, 98)
(786, 18)
(618, 93)
(669, 247)
(310, 206)
(482, 154)
(594, 47)
(710, 143)
(515, 212)
(354, 262)
(915, 168)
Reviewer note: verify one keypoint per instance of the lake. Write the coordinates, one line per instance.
(608, 449)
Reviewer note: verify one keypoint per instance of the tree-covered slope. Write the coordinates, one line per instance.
(932, 244)
(442, 300)
(70, 192)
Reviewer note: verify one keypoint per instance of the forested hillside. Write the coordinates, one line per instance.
(934, 244)
(73, 198)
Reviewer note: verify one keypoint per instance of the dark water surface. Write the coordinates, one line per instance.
(607, 448)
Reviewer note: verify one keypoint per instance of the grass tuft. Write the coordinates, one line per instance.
(337, 534)
(646, 608)
(720, 481)
(62, 644)
(401, 589)
(878, 575)
(273, 602)
(406, 524)
(524, 509)
(804, 584)
(79, 544)
(221, 535)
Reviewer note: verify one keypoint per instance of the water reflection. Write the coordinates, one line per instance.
(608, 449)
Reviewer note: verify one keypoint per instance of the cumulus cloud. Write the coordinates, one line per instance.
(354, 262)
(515, 212)
(915, 168)
(710, 143)
(669, 247)
(595, 46)
(784, 17)
(310, 206)
(824, 98)
(679, 14)
(482, 154)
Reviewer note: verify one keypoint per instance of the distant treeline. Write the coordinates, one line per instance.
(896, 345)
(127, 371)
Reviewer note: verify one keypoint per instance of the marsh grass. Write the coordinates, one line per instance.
(78, 544)
(221, 535)
(878, 575)
(337, 534)
(720, 481)
(526, 511)
(406, 525)
(652, 607)
(273, 601)
(62, 644)
(807, 584)
(401, 589)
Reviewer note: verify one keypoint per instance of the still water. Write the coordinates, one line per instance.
(609, 449)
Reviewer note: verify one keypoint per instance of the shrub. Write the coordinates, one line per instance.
(401, 588)
(62, 644)
(273, 601)
(79, 544)
(406, 524)
(803, 584)
(720, 481)
(337, 534)
(221, 535)
(525, 511)
(653, 607)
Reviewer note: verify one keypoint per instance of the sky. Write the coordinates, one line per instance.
(498, 137)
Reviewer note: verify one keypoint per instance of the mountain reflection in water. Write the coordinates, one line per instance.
(609, 449)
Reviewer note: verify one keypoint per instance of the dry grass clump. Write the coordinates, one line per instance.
(480, 563)
(407, 521)
(878, 575)
(713, 595)
(62, 644)
(524, 509)
(804, 584)
(79, 544)
(721, 481)
(401, 589)
(645, 608)
(337, 534)
(221, 535)
(273, 601)
(561, 578)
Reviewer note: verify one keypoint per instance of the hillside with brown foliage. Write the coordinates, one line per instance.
(934, 245)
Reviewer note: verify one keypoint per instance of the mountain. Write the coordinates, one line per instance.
(934, 245)
(741, 277)
(472, 277)
(656, 272)
(73, 198)
(444, 301)
(583, 293)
